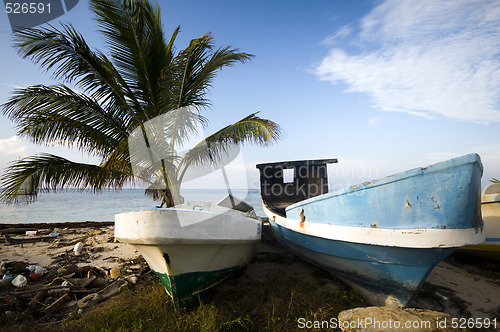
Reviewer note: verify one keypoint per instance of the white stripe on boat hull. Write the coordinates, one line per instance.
(409, 238)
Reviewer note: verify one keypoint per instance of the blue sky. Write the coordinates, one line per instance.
(383, 86)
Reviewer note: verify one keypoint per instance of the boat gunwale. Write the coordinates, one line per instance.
(464, 160)
(392, 237)
(128, 227)
(174, 209)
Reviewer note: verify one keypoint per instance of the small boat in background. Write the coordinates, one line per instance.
(490, 209)
(192, 246)
(383, 237)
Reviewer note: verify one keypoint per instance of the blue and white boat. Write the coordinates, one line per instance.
(383, 237)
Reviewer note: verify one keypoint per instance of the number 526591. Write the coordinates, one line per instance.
(27, 8)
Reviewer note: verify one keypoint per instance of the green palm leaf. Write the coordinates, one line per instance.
(195, 68)
(133, 32)
(141, 89)
(48, 114)
(46, 172)
(213, 150)
(68, 55)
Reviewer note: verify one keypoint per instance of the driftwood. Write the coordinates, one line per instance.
(89, 224)
(37, 300)
(16, 230)
(7, 239)
(31, 239)
(46, 289)
(75, 241)
(102, 295)
(61, 286)
(57, 304)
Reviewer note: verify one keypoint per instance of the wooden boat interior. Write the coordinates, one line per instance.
(310, 179)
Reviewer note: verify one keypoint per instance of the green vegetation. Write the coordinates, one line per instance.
(140, 78)
(272, 304)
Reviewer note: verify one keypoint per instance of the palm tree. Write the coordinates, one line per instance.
(115, 95)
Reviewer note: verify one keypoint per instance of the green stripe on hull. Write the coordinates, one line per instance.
(183, 288)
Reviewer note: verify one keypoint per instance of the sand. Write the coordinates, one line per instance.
(462, 286)
(99, 248)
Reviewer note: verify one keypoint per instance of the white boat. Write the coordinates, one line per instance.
(192, 246)
(490, 210)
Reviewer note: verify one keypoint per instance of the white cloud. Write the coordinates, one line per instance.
(13, 146)
(341, 33)
(11, 149)
(427, 58)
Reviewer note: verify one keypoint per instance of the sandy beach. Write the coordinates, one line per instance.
(99, 248)
(462, 286)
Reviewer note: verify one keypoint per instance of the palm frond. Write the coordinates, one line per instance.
(251, 129)
(66, 53)
(206, 70)
(142, 89)
(48, 114)
(133, 32)
(193, 71)
(217, 147)
(45, 172)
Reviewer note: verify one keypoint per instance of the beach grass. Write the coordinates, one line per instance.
(275, 303)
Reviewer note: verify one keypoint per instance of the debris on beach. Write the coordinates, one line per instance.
(82, 268)
(61, 288)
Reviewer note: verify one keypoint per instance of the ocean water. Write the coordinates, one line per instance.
(75, 206)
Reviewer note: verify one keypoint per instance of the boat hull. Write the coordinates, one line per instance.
(384, 237)
(383, 275)
(194, 268)
(190, 250)
(445, 195)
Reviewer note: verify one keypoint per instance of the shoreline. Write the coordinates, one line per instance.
(461, 286)
(58, 224)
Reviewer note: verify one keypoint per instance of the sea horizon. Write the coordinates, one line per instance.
(74, 205)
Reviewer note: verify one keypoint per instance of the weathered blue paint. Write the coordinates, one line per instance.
(384, 275)
(443, 195)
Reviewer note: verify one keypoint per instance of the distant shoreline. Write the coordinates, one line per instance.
(72, 224)
(77, 206)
